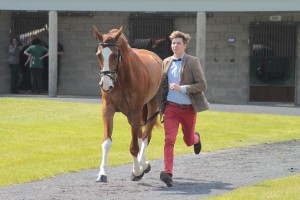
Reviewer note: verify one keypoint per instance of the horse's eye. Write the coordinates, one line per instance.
(114, 56)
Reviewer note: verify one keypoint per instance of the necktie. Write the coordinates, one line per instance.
(175, 60)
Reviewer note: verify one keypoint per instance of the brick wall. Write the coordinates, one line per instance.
(187, 25)
(79, 65)
(4, 41)
(297, 68)
(227, 64)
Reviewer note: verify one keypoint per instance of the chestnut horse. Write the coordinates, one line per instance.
(129, 79)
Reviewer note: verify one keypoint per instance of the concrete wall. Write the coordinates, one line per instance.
(188, 25)
(80, 71)
(227, 65)
(4, 41)
(297, 68)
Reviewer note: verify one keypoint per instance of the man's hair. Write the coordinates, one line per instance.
(177, 34)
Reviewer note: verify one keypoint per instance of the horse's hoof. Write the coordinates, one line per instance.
(136, 178)
(148, 169)
(101, 178)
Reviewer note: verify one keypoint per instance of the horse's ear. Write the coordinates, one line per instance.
(119, 33)
(97, 34)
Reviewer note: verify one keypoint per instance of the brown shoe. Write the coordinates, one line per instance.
(166, 178)
(197, 146)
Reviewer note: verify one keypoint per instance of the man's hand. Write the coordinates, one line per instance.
(174, 86)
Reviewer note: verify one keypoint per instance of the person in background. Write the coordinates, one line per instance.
(60, 52)
(14, 64)
(180, 96)
(24, 63)
(36, 53)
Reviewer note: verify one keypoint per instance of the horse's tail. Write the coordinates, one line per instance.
(157, 124)
(145, 119)
(145, 114)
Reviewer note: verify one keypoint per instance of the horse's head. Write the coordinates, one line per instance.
(109, 56)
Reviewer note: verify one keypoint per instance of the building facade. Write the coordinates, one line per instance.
(235, 72)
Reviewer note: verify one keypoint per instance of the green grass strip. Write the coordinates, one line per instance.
(287, 188)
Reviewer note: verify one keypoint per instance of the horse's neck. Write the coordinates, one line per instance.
(129, 57)
(126, 62)
(129, 68)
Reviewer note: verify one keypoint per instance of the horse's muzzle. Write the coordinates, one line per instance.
(106, 83)
(107, 90)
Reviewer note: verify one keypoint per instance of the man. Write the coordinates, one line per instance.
(180, 96)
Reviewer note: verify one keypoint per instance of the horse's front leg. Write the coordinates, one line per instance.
(107, 116)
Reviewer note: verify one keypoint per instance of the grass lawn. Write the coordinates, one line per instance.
(287, 188)
(43, 138)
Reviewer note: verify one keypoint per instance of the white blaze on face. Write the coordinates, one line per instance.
(106, 80)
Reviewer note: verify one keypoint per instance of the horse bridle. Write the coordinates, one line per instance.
(115, 72)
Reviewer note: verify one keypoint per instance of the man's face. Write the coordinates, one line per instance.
(178, 47)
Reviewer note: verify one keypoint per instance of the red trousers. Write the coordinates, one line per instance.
(173, 116)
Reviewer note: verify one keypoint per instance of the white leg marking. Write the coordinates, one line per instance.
(144, 163)
(141, 156)
(137, 167)
(106, 145)
(140, 146)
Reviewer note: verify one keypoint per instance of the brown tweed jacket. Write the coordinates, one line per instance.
(191, 75)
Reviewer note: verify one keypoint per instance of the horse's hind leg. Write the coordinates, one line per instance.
(143, 144)
(146, 138)
(140, 165)
(137, 171)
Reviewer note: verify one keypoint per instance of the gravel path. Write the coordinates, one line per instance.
(195, 177)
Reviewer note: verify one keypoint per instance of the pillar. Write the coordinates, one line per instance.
(201, 37)
(52, 85)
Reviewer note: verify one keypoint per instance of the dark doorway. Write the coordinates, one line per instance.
(151, 33)
(272, 62)
(26, 26)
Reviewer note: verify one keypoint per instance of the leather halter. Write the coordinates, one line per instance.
(110, 73)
